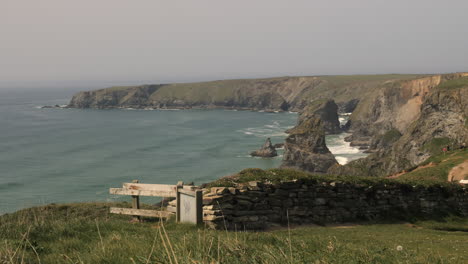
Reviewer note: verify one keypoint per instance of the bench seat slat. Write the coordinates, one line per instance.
(125, 191)
(140, 212)
(150, 187)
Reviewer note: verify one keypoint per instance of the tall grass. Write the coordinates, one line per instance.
(86, 233)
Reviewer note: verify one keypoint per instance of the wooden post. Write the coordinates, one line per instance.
(136, 204)
(199, 209)
(180, 184)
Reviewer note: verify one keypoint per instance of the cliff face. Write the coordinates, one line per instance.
(401, 118)
(285, 93)
(327, 111)
(443, 121)
(115, 97)
(411, 122)
(305, 147)
(393, 105)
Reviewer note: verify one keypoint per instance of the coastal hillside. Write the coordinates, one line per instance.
(283, 93)
(401, 120)
(408, 122)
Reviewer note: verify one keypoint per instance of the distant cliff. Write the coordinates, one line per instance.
(401, 119)
(284, 93)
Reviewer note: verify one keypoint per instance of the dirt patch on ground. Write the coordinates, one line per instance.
(459, 172)
(396, 175)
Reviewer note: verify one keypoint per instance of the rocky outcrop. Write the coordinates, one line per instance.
(326, 111)
(408, 138)
(278, 145)
(399, 118)
(266, 151)
(348, 107)
(272, 94)
(305, 147)
(443, 121)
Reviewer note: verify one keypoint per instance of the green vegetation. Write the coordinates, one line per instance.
(279, 175)
(436, 168)
(436, 145)
(454, 83)
(391, 136)
(87, 233)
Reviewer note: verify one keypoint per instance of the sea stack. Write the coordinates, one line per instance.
(305, 147)
(266, 151)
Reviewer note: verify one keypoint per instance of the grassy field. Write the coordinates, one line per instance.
(87, 233)
(436, 168)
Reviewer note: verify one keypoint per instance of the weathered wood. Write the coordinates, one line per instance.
(199, 210)
(189, 206)
(136, 203)
(124, 191)
(150, 187)
(178, 206)
(171, 209)
(188, 192)
(140, 212)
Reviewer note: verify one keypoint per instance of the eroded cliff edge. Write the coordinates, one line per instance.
(284, 93)
(405, 122)
(399, 118)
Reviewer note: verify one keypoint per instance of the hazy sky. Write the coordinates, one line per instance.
(142, 41)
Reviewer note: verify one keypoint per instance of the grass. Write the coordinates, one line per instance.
(278, 175)
(441, 166)
(87, 233)
(436, 145)
(453, 83)
(391, 136)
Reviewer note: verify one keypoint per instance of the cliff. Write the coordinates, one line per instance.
(407, 122)
(327, 111)
(401, 119)
(305, 147)
(284, 93)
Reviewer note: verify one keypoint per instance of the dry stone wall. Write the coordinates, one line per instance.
(257, 205)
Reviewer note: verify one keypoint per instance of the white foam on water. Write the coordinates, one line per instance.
(342, 150)
(270, 130)
(342, 160)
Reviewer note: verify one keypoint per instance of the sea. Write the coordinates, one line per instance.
(76, 155)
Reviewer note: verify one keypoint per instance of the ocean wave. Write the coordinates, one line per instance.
(342, 150)
(275, 129)
(243, 156)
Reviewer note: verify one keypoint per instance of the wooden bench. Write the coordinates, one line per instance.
(189, 201)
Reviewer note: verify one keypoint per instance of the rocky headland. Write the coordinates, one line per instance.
(400, 119)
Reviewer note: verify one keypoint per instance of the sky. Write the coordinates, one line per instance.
(111, 42)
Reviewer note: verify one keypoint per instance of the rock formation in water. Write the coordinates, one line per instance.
(401, 119)
(278, 145)
(327, 111)
(266, 151)
(305, 147)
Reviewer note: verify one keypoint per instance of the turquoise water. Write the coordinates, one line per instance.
(72, 155)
